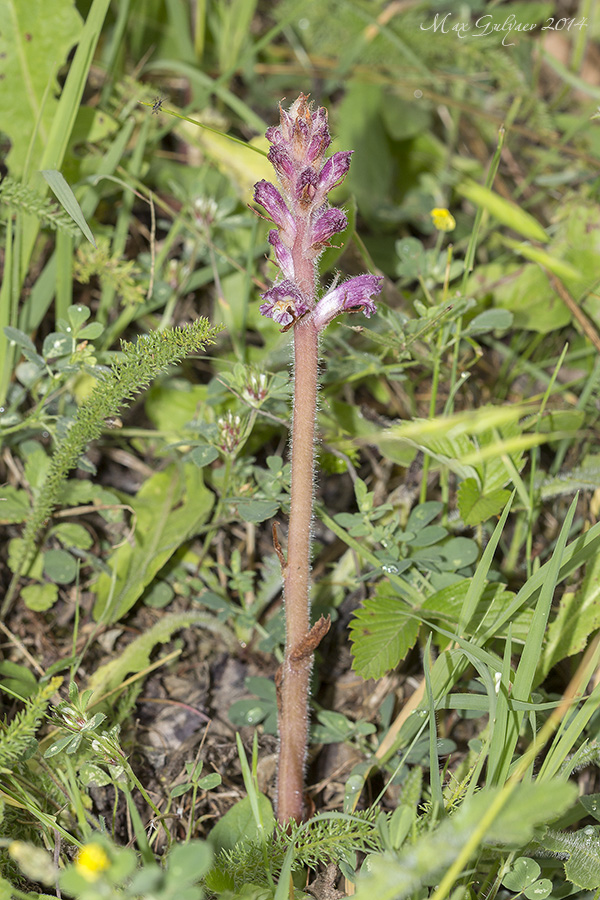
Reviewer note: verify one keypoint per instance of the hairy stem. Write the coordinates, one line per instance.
(297, 663)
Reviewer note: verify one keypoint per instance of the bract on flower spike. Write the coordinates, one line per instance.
(305, 225)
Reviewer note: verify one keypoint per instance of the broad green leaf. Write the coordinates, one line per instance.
(381, 633)
(59, 566)
(505, 211)
(583, 851)
(547, 260)
(14, 504)
(65, 196)
(490, 320)
(577, 618)
(522, 873)
(476, 507)
(539, 890)
(39, 597)
(173, 405)
(238, 824)
(35, 39)
(395, 876)
(446, 606)
(255, 510)
(169, 509)
(466, 442)
(188, 863)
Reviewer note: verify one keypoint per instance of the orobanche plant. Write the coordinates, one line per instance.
(306, 223)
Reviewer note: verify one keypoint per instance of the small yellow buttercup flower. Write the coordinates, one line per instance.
(443, 220)
(91, 861)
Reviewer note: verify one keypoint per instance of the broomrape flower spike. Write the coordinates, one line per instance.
(305, 225)
(305, 222)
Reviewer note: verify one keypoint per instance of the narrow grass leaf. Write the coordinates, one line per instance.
(503, 210)
(65, 196)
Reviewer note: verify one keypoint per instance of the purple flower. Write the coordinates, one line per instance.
(350, 296)
(305, 222)
(331, 222)
(335, 170)
(282, 162)
(267, 195)
(284, 303)
(282, 254)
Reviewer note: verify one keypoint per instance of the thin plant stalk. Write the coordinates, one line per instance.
(294, 721)
(304, 225)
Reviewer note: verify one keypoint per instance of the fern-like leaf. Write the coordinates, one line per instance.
(22, 198)
(138, 365)
(17, 736)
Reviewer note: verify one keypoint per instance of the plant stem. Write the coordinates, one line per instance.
(297, 663)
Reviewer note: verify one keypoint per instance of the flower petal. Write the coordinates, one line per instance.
(331, 222)
(350, 296)
(283, 303)
(267, 195)
(282, 254)
(335, 170)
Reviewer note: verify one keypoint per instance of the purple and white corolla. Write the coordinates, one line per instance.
(305, 223)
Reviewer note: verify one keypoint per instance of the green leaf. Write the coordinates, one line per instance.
(577, 618)
(136, 656)
(59, 566)
(522, 873)
(210, 782)
(169, 508)
(188, 862)
(93, 775)
(239, 825)
(18, 679)
(381, 633)
(39, 597)
(583, 865)
(14, 504)
(70, 534)
(504, 210)
(256, 510)
(204, 455)
(539, 890)
(476, 507)
(65, 196)
(35, 39)
(490, 320)
(532, 804)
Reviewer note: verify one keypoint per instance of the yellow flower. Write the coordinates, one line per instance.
(92, 861)
(443, 220)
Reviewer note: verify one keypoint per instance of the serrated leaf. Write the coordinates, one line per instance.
(14, 504)
(583, 865)
(381, 633)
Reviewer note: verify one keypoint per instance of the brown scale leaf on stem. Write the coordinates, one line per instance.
(311, 641)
